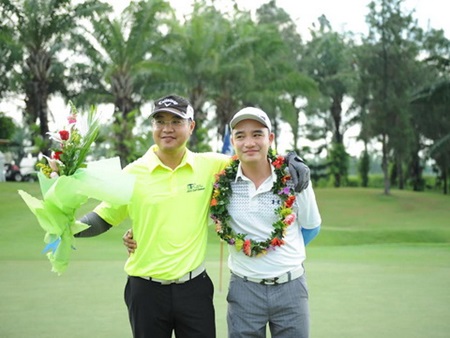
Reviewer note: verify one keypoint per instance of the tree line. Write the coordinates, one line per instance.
(393, 82)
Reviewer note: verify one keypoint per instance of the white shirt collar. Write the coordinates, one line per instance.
(268, 183)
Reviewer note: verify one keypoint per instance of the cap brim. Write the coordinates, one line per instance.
(248, 117)
(170, 110)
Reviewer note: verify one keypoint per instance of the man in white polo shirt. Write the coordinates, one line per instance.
(267, 225)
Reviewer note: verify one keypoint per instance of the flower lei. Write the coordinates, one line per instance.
(221, 199)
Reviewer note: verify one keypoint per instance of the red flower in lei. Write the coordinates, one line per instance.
(247, 248)
(290, 201)
(221, 199)
(277, 242)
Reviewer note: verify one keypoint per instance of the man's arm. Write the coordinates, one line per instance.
(298, 170)
(97, 225)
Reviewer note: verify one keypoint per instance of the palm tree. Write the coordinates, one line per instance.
(10, 53)
(42, 29)
(121, 68)
(193, 57)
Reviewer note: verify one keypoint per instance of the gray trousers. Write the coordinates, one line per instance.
(251, 306)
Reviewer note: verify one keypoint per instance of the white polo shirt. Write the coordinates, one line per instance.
(253, 213)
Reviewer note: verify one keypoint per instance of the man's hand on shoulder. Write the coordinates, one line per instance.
(298, 170)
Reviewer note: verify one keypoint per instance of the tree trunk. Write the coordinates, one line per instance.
(384, 166)
(225, 108)
(400, 175)
(123, 128)
(197, 99)
(124, 121)
(296, 127)
(38, 64)
(336, 114)
(445, 171)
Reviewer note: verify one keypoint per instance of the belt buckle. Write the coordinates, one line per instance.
(167, 282)
(269, 281)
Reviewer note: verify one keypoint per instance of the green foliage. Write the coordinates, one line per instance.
(389, 73)
(319, 172)
(338, 164)
(328, 59)
(432, 120)
(353, 182)
(10, 52)
(7, 127)
(203, 141)
(19, 144)
(363, 168)
(376, 181)
(123, 141)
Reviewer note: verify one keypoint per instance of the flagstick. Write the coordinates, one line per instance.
(228, 150)
(220, 266)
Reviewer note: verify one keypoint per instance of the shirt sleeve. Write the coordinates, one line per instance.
(112, 214)
(308, 215)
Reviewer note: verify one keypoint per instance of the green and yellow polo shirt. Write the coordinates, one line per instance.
(169, 211)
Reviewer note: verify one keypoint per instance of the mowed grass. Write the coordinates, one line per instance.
(379, 268)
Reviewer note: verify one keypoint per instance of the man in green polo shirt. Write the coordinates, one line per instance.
(168, 288)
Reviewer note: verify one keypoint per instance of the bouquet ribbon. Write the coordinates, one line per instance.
(102, 180)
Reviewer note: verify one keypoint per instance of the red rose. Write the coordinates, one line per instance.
(56, 155)
(64, 134)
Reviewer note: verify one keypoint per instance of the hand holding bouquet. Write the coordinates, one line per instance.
(67, 182)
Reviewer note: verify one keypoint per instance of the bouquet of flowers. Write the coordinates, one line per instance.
(67, 181)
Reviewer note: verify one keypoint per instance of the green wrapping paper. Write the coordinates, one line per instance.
(102, 180)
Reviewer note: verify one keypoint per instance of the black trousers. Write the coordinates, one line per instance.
(156, 310)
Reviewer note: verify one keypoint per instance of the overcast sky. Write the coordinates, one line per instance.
(343, 14)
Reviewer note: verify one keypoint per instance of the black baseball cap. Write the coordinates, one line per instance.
(174, 104)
